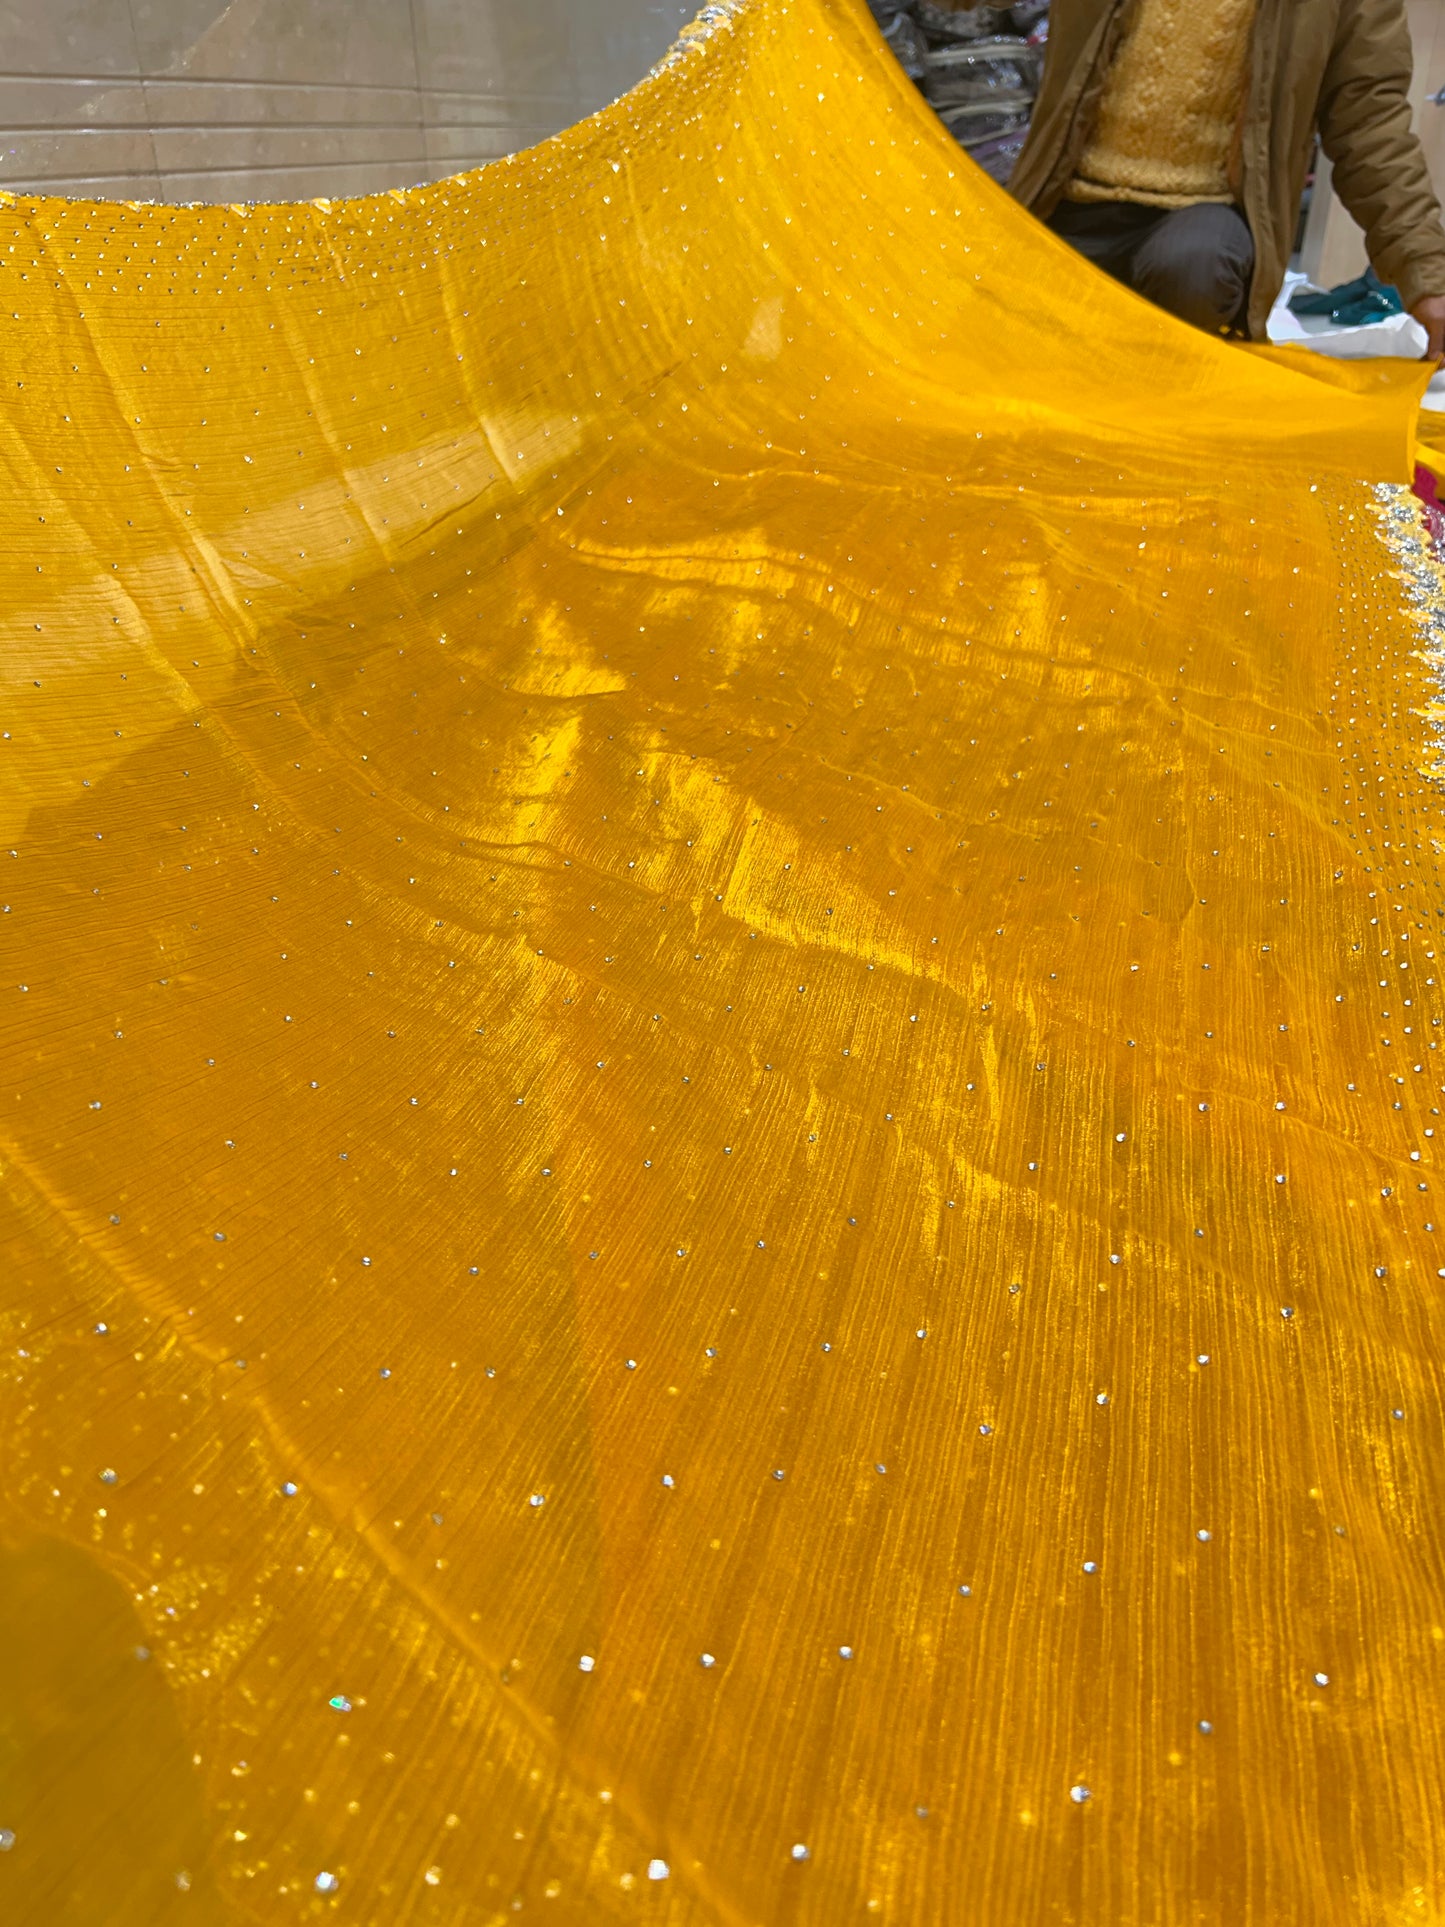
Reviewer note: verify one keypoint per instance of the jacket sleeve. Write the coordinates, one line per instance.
(1379, 166)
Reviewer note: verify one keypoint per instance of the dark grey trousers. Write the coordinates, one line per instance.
(1195, 262)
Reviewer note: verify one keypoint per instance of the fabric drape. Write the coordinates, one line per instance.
(721, 896)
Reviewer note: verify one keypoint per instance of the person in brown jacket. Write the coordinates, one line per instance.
(1171, 140)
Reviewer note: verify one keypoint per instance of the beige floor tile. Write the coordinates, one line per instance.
(30, 102)
(67, 37)
(176, 101)
(352, 42)
(253, 98)
(63, 155)
(286, 184)
(267, 150)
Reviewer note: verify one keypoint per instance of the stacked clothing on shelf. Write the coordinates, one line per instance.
(978, 67)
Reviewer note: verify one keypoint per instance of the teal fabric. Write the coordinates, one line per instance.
(1367, 298)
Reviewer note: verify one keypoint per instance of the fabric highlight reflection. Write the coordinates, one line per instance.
(720, 917)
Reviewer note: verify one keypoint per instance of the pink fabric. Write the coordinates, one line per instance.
(1427, 493)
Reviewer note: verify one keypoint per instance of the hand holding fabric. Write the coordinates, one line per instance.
(1429, 311)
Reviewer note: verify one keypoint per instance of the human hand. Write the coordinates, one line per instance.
(1429, 311)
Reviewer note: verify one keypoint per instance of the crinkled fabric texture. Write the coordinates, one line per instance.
(721, 1033)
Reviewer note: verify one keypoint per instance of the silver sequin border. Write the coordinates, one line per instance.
(1401, 524)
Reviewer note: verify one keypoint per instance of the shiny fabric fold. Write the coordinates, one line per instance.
(720, 915)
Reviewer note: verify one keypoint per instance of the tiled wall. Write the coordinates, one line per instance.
(230, 100)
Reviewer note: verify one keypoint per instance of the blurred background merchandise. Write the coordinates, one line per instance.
(978, 68)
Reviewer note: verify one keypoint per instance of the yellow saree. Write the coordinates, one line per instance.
(721, 1036)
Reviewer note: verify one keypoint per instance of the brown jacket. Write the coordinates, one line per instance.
(1340, 66)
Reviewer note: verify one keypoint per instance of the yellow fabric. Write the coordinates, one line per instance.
(1167, 117)
(690, 830)
(1430, 446)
